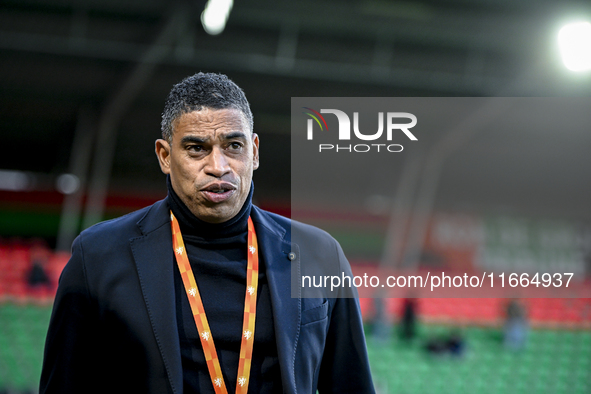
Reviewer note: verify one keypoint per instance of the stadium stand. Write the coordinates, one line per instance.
(555, 359)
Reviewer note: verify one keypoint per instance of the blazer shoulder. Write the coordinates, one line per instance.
(124, 227)
(299, 232)
(290, 225)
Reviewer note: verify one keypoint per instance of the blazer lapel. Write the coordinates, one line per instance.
(154, 262)
(286, 310)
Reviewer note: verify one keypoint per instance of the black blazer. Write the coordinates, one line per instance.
(113, 326)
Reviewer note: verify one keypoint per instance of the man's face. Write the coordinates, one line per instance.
(210, 161)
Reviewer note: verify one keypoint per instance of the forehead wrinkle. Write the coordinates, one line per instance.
(230, 135)
(205, 122)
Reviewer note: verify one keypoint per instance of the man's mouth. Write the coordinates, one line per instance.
(218, 192)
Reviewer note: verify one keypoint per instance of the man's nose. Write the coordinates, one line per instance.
(217, 164)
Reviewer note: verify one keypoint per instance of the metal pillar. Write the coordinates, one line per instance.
(435, 160)
(113, 113)
(401, 210)
(79, 162)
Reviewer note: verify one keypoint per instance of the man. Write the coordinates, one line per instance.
(192, 294)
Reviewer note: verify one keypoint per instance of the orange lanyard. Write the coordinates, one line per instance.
(250, 302)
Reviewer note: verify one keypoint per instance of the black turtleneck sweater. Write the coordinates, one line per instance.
(218, 257)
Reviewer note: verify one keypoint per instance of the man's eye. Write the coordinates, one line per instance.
(195, 148)
(235, 145)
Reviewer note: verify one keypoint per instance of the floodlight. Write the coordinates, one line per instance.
(215, 15)
(574, 41)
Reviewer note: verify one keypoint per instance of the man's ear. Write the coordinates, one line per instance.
(163, 154)
(255, 151)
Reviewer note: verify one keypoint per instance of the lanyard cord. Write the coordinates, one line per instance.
(250, 300)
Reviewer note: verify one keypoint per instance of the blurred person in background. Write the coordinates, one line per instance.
(380, 327)
(516, 327)
(408, 322)
(37, 274)
(193, 293)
